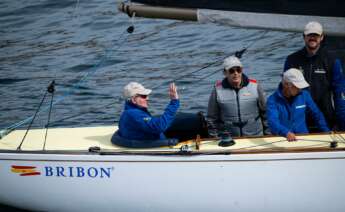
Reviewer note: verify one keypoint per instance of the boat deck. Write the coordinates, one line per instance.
(82, 138)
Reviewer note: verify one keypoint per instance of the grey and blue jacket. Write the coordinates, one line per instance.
(240, 112)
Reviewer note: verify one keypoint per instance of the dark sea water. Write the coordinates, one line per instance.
(84, 47)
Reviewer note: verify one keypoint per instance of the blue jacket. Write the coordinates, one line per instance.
(338, 84)
(284, 117)
(137, 123)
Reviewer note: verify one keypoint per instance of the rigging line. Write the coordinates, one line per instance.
(90, 73)
(76, 8)
(68, 93)
(176, 79)
(118, 98)
(261, 144)
(32, 120)
(94, 69)
(90, 110)
(210, 64)
(210, 74)
(237, 54)
(341, 137)
(219, 22)
(248, 147)
(51, 89)
(321, 141)
(254, 41)
(185, 75)
(204, 67)
(155, 31)
(77, 85)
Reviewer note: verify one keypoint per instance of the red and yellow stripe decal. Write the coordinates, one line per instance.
(25, 170)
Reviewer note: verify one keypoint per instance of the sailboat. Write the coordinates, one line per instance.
(79, 169)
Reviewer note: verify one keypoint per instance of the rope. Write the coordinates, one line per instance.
(261, 144)
(312, 140)
(51, 89)
(32, 120)
(341, 137)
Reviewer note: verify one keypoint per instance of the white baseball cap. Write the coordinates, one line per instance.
(231, 61)
(313, 27)
(296, 77)
(134, 88)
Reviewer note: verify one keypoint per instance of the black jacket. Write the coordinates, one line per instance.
(317, 70)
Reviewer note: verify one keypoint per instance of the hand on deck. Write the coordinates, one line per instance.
(173, 91)
(291, 136)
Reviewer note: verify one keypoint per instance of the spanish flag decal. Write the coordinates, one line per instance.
(25, 170)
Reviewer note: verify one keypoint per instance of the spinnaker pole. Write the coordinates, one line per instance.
(147, 11)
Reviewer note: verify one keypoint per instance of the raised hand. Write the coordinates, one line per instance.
(173, 91)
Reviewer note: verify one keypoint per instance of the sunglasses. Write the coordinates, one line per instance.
(236, 69)
(313, 35)
(142, 96)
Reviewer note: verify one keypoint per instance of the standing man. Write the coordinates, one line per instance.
(237, 104)
(317, 67)
(287, 107)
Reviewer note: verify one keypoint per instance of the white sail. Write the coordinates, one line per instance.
(333, 26)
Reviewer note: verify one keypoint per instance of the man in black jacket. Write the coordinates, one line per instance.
(317, 66)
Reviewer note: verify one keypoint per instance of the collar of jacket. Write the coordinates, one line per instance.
(129, 105)
(280, 93)
(318, 53)
(244, 83)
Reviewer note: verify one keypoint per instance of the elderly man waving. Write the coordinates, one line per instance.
(137, 127)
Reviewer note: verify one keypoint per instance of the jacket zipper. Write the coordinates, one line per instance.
(239, 112)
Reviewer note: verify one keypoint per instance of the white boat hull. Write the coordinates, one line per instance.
(237, 182)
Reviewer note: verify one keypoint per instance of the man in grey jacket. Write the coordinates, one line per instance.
(237, 104)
